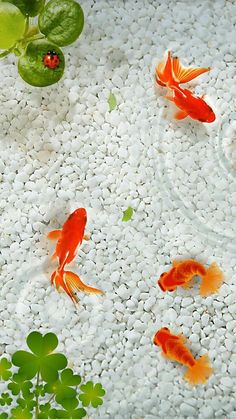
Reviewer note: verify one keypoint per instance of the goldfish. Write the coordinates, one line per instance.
(69, 238)
(182, 273)
(174, 348)
(171, 74)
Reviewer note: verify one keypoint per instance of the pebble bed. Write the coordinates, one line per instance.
(61, 149)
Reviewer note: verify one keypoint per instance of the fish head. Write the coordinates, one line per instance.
(80, 213)
(208, 114)
(164, 283)
(161, 336)
(161, 281)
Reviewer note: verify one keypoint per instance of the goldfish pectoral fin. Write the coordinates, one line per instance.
(54, 235)
(184, 74)
(54, 256)
(187, 285)
(181, 115)
(86, 237)
(75, 282)
(168, 97)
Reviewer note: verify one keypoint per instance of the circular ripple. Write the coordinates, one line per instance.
(197, 171)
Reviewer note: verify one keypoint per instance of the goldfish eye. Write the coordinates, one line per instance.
(171, 290)
(163, 274)
(165, 328)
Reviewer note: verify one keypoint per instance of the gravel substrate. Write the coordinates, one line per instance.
(62, 149)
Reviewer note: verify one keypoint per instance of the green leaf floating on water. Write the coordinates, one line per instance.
(61, 21)
(127, 214)
(12, 25)
(112, 102)
(31, 66)
(28, 7)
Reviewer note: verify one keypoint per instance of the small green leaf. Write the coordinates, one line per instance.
(127, 214)
(5, 365)
(112, 102)
(3, 415)
(51, 365)
(61, 21)
(32, 68)
(28, 7)
(20, 413)
(5, 399)
(12, 25)
(69, 379)
(92, 394)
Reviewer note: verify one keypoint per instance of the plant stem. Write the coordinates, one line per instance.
(51, 398)
(5, 53)
(37, 400)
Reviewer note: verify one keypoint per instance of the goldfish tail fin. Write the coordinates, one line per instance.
(212, 280)
(164, 72)
(74, 282)
(58, 279)
(184, 74)
(200, 371)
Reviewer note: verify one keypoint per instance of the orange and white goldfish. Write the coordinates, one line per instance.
(171, 73)
(69, 238)
(174, 348)
(182, 273)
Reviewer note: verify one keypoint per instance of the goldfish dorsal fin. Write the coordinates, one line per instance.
(176, 262)
(184, 74)
(182, 338)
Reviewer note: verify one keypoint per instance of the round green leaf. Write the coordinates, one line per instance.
(35, 343)
(28, 7)
(12, 25)
(31, 66)
(61, 21)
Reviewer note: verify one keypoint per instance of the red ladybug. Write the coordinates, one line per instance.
(51, 59)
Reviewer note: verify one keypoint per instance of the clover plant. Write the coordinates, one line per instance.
(34, 30)
(43, 387)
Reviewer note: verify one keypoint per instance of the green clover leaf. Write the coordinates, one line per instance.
(92, 394)
(5, 365)
(71, 409)
(5, 399)
(3, 415)
(20, 413)
(39, 390)
(26, 403)
(41, 361)
(69, 378)
(19, 384)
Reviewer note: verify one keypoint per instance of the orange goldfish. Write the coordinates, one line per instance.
(182, 273)
(174, 348)
(69, 238)
(171, 74)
